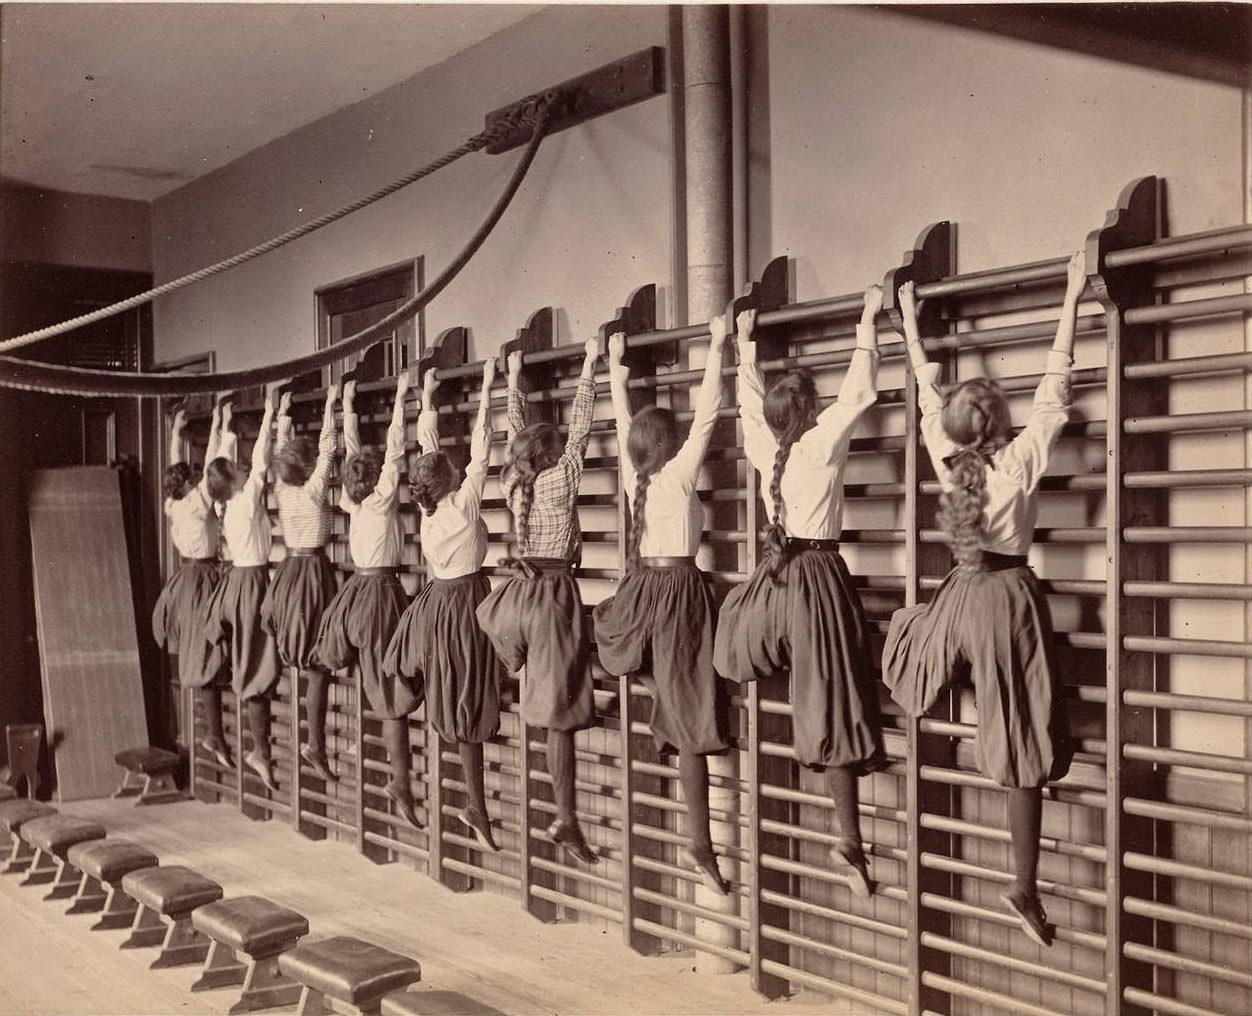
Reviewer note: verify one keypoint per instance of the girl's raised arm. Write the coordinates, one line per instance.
(578, 435)
(929, 399)
(708, 400)
(326, 444)
(828, 439)
(758, 441)
(1027, 454)
(619, 374)
(516, 408)
(389, 479)
(471, 490)
(261, 450)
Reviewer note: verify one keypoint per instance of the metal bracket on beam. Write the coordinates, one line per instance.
(611, 87)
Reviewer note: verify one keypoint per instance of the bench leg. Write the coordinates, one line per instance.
(183, 944)
(147, 929)
(66, 882)
(221, 969)
(42, 869)
(21, 854)
(129, 788)
(119, 911)
(159, 788)
(89, 898)
(265, 986)
(312, 1003)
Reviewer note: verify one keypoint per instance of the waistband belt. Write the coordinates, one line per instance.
(305, 551)
(667, 562)
(802, 543)
(199, 560)
(996, 562)
(389, 570)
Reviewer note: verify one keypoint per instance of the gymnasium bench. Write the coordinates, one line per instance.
(149, 774)
(435, 1003)
(174, 892)
(13, 814)
(261, 930)
(51, 836)
(105, 863)
(347, 970)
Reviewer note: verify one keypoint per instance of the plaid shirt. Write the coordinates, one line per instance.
(553, 519)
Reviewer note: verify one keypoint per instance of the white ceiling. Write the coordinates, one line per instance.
(134, 100)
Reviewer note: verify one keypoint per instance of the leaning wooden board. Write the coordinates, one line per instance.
(89, 657)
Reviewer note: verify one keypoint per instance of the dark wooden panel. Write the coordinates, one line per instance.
(88, 652)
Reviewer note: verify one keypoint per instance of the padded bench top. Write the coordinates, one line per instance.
(57, 833)
(170, 889)
(14, 813)
(250, 923)
(109, 860)
(424, 1002)
(348, 969)
(147, 760)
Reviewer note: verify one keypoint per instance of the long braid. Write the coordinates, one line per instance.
(790, 408)
(526, 485)
(775, 556)
(977, 416)
(636, 519)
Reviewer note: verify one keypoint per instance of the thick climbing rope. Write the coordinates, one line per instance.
(31, 375)
(524, 116)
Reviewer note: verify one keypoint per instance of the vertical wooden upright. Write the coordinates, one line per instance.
(933, 256)
(772, 292)
(535, 337)
(1135, 221)
(447, 351)
(638, 315)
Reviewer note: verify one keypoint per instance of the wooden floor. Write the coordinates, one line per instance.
(480, 953)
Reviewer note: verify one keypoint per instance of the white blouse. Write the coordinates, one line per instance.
(193, 523)
(812, 481)
(245, 520)
(454, 537)
(1014, 471)
(376, 536)
(673, 521)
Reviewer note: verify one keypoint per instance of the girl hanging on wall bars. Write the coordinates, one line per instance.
(304, 582)
(661, 618)
(990, 619)
(535, 618)
(438, 644)
(358, 624)
(799, 611)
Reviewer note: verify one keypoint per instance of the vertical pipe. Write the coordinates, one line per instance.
(706, 89)
(710, 242)
(1246, 123)
(739, 144)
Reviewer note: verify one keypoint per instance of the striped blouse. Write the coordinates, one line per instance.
(304, 509)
